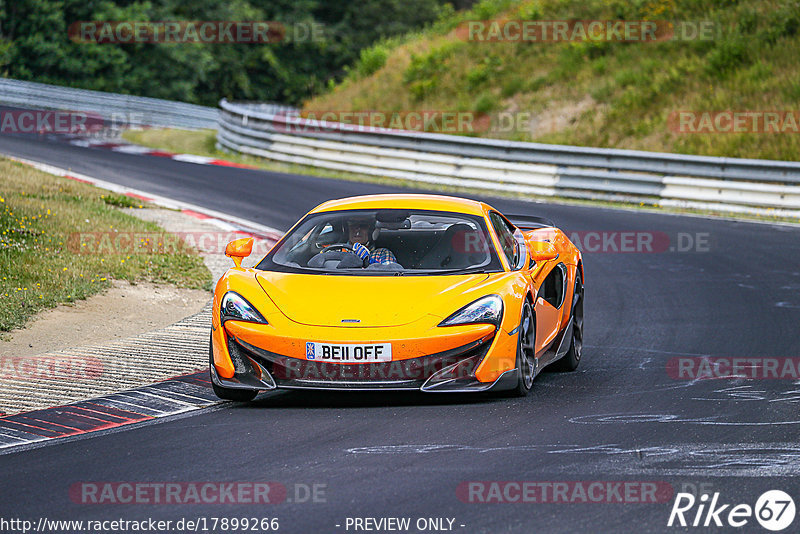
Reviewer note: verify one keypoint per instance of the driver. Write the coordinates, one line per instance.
(359, 233)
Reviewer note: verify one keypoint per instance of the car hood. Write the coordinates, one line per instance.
(361, 301)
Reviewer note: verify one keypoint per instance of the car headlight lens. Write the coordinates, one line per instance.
(484, 310)
(234, 306)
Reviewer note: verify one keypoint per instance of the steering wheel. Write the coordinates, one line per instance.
(343, 247)
(337, 247)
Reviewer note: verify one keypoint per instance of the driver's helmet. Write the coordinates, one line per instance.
(359, 229)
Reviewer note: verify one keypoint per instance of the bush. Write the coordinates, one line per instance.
(537, 83)
(427, 66)
(486, 9)
(423, 72)
(532, 11)
(485, 103)
(513, 86)
(481, 73)
(421, 88)
(783, 22)
(728, 55)
(371, 60)
(477, 76)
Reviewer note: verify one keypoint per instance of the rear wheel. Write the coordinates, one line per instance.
(236, 395)
(572, 358)
(526, 352)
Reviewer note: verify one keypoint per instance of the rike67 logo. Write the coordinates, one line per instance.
(774, 510)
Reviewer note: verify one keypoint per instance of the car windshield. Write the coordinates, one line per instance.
(388, 242)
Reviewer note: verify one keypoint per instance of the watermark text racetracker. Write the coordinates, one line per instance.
(111, 242)
(39, 121)
(734, 122)
(50, 367)
(565, 492)
(711, 368)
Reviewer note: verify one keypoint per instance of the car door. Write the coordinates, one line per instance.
(549, 306)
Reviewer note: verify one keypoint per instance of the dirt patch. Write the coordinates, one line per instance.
(122, 311)
(558, 118)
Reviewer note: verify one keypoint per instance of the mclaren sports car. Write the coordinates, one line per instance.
(399, 292)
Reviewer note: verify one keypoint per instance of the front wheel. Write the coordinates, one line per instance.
(526, 352)
(236, 395)
(569, 362)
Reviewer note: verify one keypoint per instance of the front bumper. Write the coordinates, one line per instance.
(451, 371)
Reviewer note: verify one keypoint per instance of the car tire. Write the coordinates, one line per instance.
(236, 395)
(526, 352)
(570, 361)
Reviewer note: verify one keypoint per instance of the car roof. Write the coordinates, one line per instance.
(406, 201)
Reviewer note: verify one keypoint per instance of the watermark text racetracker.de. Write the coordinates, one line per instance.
(560, 31)
(605, 241)
(183, 524)
(194, 31)
(200, 492)
(415, 120)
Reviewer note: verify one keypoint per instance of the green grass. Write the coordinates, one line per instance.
(608, 94)
(179, 141)
(41, 262)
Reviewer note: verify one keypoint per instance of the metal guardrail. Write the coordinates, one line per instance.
(729, 184)
(119, 110)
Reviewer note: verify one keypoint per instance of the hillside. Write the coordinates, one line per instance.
(602, 93)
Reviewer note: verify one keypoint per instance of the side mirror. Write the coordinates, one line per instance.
(542, 251)
(238, 249)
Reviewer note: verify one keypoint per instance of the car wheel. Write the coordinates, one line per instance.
(526, 352)
(570, 361)
(237, 395)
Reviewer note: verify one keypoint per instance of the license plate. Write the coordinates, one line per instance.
(351, 353)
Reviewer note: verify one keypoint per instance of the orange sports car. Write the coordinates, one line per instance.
(399, 292)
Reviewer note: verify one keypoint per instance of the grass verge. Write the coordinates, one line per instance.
(39, 213)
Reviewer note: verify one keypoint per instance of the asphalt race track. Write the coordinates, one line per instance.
(622, 416)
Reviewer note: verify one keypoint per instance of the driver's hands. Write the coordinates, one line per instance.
(361, 251)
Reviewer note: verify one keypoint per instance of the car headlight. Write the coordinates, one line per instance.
(484, 310)
(234, 306)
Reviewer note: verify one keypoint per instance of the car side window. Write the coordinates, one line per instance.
(553, 289)
(508, 242)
